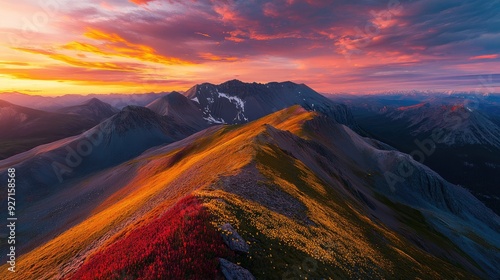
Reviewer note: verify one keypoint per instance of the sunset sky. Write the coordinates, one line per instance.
(55, 47)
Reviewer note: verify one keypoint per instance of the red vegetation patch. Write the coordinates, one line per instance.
(456, 107)
(416, 106)
(181, 244)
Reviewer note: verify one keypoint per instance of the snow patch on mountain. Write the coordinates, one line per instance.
(237, 102)
(210, 119)
(240, 104)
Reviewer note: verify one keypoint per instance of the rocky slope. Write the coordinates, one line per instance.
(180, 108)
(25, 128)
(93, 109)
(121, 137)
(460, 124)
(455, 135)
(236, 102)
(311, 198)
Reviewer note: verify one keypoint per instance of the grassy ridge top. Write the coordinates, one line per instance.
(336, 239)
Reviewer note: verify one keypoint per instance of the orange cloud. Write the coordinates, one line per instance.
(115, 45)
(486, 56)
(140, 2)
(77, 46)
(78, 62)
(213, 57)
(235, 36)
(101, 35)
(14, 63)
(77, 75)
(100, 65)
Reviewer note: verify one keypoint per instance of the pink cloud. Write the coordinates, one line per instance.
(486, 56)
(141, 2)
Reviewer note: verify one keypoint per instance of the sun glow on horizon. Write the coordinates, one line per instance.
(155, 46)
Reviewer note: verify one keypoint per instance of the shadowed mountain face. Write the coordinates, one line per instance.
(235, 102)
(121, 137)
(24, 128)
(457, 136)
(180, 108)
(301, 189)
(460, 124)
(93, 109)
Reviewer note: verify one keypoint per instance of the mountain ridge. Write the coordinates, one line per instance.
(235, 102)
(341, 214)
(179, 107)
(24, 128)
(94, 109)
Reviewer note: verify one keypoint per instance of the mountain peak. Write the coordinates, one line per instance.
(93, 109)
(93, 101)
(96, 102)
(233, 82)
(174, 96)
(131, 117)
(165, 102)
(175, 93)
(235, 102)
(136, 109)
(289, 83)
(180, 108)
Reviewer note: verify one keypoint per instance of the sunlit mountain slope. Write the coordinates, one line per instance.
(309, 196)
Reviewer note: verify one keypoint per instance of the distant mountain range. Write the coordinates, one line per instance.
(25, 128)
(460, 124)
(456, 135)
(264, 181)
(93, 109)
(54, 103)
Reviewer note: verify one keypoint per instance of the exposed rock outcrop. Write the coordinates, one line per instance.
(233, 239)
(233, 271)
(235, 102)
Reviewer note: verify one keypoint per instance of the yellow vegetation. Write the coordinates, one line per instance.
(153, 190)
(161, 181)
